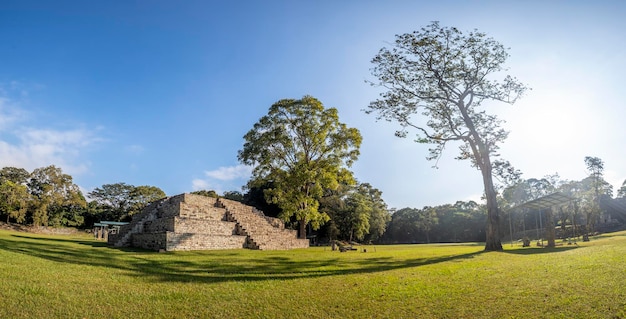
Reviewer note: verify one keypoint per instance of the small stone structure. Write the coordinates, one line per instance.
(195, 222)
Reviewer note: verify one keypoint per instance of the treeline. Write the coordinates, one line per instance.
(592, 206)
(459, 222)
(48, 197)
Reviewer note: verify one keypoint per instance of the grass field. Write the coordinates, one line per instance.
(44, 276)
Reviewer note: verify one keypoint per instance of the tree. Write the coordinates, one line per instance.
(379, 215)
(354, 218)
(595, 167)
(621, 192)
(233, 195)
(14, 201)
(140, 196)
(207, 193)
(445, 76)
(301, 148)
(404, 226)
(120, 201)
(115, 198)
(55, 197)
(15, 175)
(14, 196)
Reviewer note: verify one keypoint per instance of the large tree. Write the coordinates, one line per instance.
(14, 196)
(56, 197)
(14, 201)
(435, 81)
(300, 148)
(114, 198)
(120, 201)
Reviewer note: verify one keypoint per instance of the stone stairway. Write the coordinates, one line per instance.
(124, 236)
(264, 233)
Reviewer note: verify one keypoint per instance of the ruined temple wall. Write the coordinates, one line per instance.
(198, 200)
(159, 225)
(201, 207)
(201, 212)
(152, 241)
(189, 241)
(216, 227)
(171, 206)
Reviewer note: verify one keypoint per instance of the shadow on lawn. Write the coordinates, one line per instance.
(208, 267)
(540, 250)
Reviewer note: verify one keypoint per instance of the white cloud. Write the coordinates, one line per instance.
(199, 184)
(230, 173)
(9, 113)
(24, 146)
(225, 178)
(37, 148)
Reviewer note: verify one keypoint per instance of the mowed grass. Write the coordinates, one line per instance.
(78, 277)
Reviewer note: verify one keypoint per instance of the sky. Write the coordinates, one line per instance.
(161, 93)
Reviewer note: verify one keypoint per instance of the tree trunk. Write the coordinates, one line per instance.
(481, 154)
(492, 231)
(302, 233)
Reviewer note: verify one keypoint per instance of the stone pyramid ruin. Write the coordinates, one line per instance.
(195, 222)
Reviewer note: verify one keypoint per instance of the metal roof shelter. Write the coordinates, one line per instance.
(101, 229)
(548, 201)
(543, 204)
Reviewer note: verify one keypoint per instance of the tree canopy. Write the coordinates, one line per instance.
(119, 201)
(435, 81)
(301, 148)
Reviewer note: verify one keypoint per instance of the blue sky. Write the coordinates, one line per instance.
(161, 92)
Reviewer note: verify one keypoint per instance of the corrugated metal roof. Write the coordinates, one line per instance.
(548, 201)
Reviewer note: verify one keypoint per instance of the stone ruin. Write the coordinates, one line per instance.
(195, 222)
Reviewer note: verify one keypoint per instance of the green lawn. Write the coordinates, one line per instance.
(77, 277)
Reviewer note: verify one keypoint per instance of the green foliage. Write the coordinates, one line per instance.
(14, 174)
(461, 222)
(233, 195)
(14, 201)
(120, 201)
(140, 196)
(56, 197)
(435, 81)
(78, 277)
(115, 197)
(301, 149)
(358, 212)
(207, 193)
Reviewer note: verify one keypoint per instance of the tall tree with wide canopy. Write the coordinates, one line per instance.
(56, 197)
(120, 200)
(300, 148)
(435, 81)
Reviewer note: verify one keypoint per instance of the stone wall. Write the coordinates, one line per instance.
(159, 225)
(191, 241)
(152, 241)
(217, 227)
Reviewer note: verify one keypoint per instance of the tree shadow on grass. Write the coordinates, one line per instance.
(541, 250)
(211, 266)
